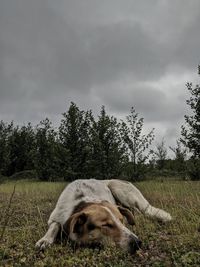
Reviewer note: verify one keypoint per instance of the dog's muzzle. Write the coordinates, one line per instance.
(134, 244)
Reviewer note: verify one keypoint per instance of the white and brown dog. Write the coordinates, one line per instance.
(91, 210)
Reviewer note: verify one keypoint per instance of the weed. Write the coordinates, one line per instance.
(174, 244)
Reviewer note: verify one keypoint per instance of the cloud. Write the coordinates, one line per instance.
(110, 52)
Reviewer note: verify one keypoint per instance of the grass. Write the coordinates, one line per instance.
(174, 244)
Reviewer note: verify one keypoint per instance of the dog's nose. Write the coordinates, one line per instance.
(134, 245)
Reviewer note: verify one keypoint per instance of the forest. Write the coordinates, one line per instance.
(84, 146)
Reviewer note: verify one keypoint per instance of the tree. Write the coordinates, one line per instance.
(138, 144)
(46, 162)
(180, 156)
(108, 150)
(191, 132)
(5, 133)
(17, 148)
(161, 154)
(75, 141)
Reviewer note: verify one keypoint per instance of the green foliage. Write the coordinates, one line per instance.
(138, 144)
(191, 132)
(25, 175)
(46, 148)
(180, 156)
(5, 133)
(94, 147)
(161, 155)
(21, 147)
(17, 148)
(75, 142)
(108, 149)
(193, 169)
(84, 146)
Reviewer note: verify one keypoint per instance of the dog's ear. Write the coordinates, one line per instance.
(79, 223)
(128, 214)
(75, 223)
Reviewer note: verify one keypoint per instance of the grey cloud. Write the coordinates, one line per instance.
(154, 104)
(121, 49)
(121, 98)
(42, 43)
(97, 53)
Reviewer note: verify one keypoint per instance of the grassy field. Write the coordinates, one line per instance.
(23, 222)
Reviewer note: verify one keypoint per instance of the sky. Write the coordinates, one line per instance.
(116, 53)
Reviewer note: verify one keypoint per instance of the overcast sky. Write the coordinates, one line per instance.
(117, 53)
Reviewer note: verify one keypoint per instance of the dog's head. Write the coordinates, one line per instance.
(95, 222)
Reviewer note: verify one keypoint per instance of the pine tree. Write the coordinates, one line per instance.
(74, 137)
(46, 162)
(5, 133)
(19, 149)
(107, 147)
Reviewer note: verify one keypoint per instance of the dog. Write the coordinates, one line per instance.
(90, 211)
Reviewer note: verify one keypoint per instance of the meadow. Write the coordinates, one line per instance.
(26, 205)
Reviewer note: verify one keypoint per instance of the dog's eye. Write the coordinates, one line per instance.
(91, 226)
(109, 225)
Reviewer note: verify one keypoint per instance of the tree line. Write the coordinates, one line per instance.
(84, 146)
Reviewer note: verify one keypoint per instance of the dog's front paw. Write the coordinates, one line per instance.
(166, 217)
(43, 243)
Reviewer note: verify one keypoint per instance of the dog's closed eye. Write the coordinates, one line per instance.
(109, 225)
(91, 226)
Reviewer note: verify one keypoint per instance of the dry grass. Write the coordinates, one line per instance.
(174, 244)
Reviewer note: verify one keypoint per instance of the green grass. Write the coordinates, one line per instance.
(174, 244)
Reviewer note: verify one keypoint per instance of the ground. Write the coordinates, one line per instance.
(26, 205)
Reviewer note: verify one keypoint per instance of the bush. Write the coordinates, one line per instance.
(166, 173)
(28, 174)
(193, 169)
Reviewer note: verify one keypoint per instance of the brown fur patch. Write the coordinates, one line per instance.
(81, 206)
(97, 224)
(128, 214)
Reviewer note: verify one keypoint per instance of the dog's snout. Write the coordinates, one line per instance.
(134, 245)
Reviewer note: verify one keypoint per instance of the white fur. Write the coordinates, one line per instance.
(96, 191)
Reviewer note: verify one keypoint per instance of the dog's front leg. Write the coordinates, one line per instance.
(49, 237)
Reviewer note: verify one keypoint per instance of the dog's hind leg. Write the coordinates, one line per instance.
(129, 196)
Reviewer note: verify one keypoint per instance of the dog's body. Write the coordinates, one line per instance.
(95, 201)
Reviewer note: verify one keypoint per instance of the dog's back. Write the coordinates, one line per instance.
(90, 190)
